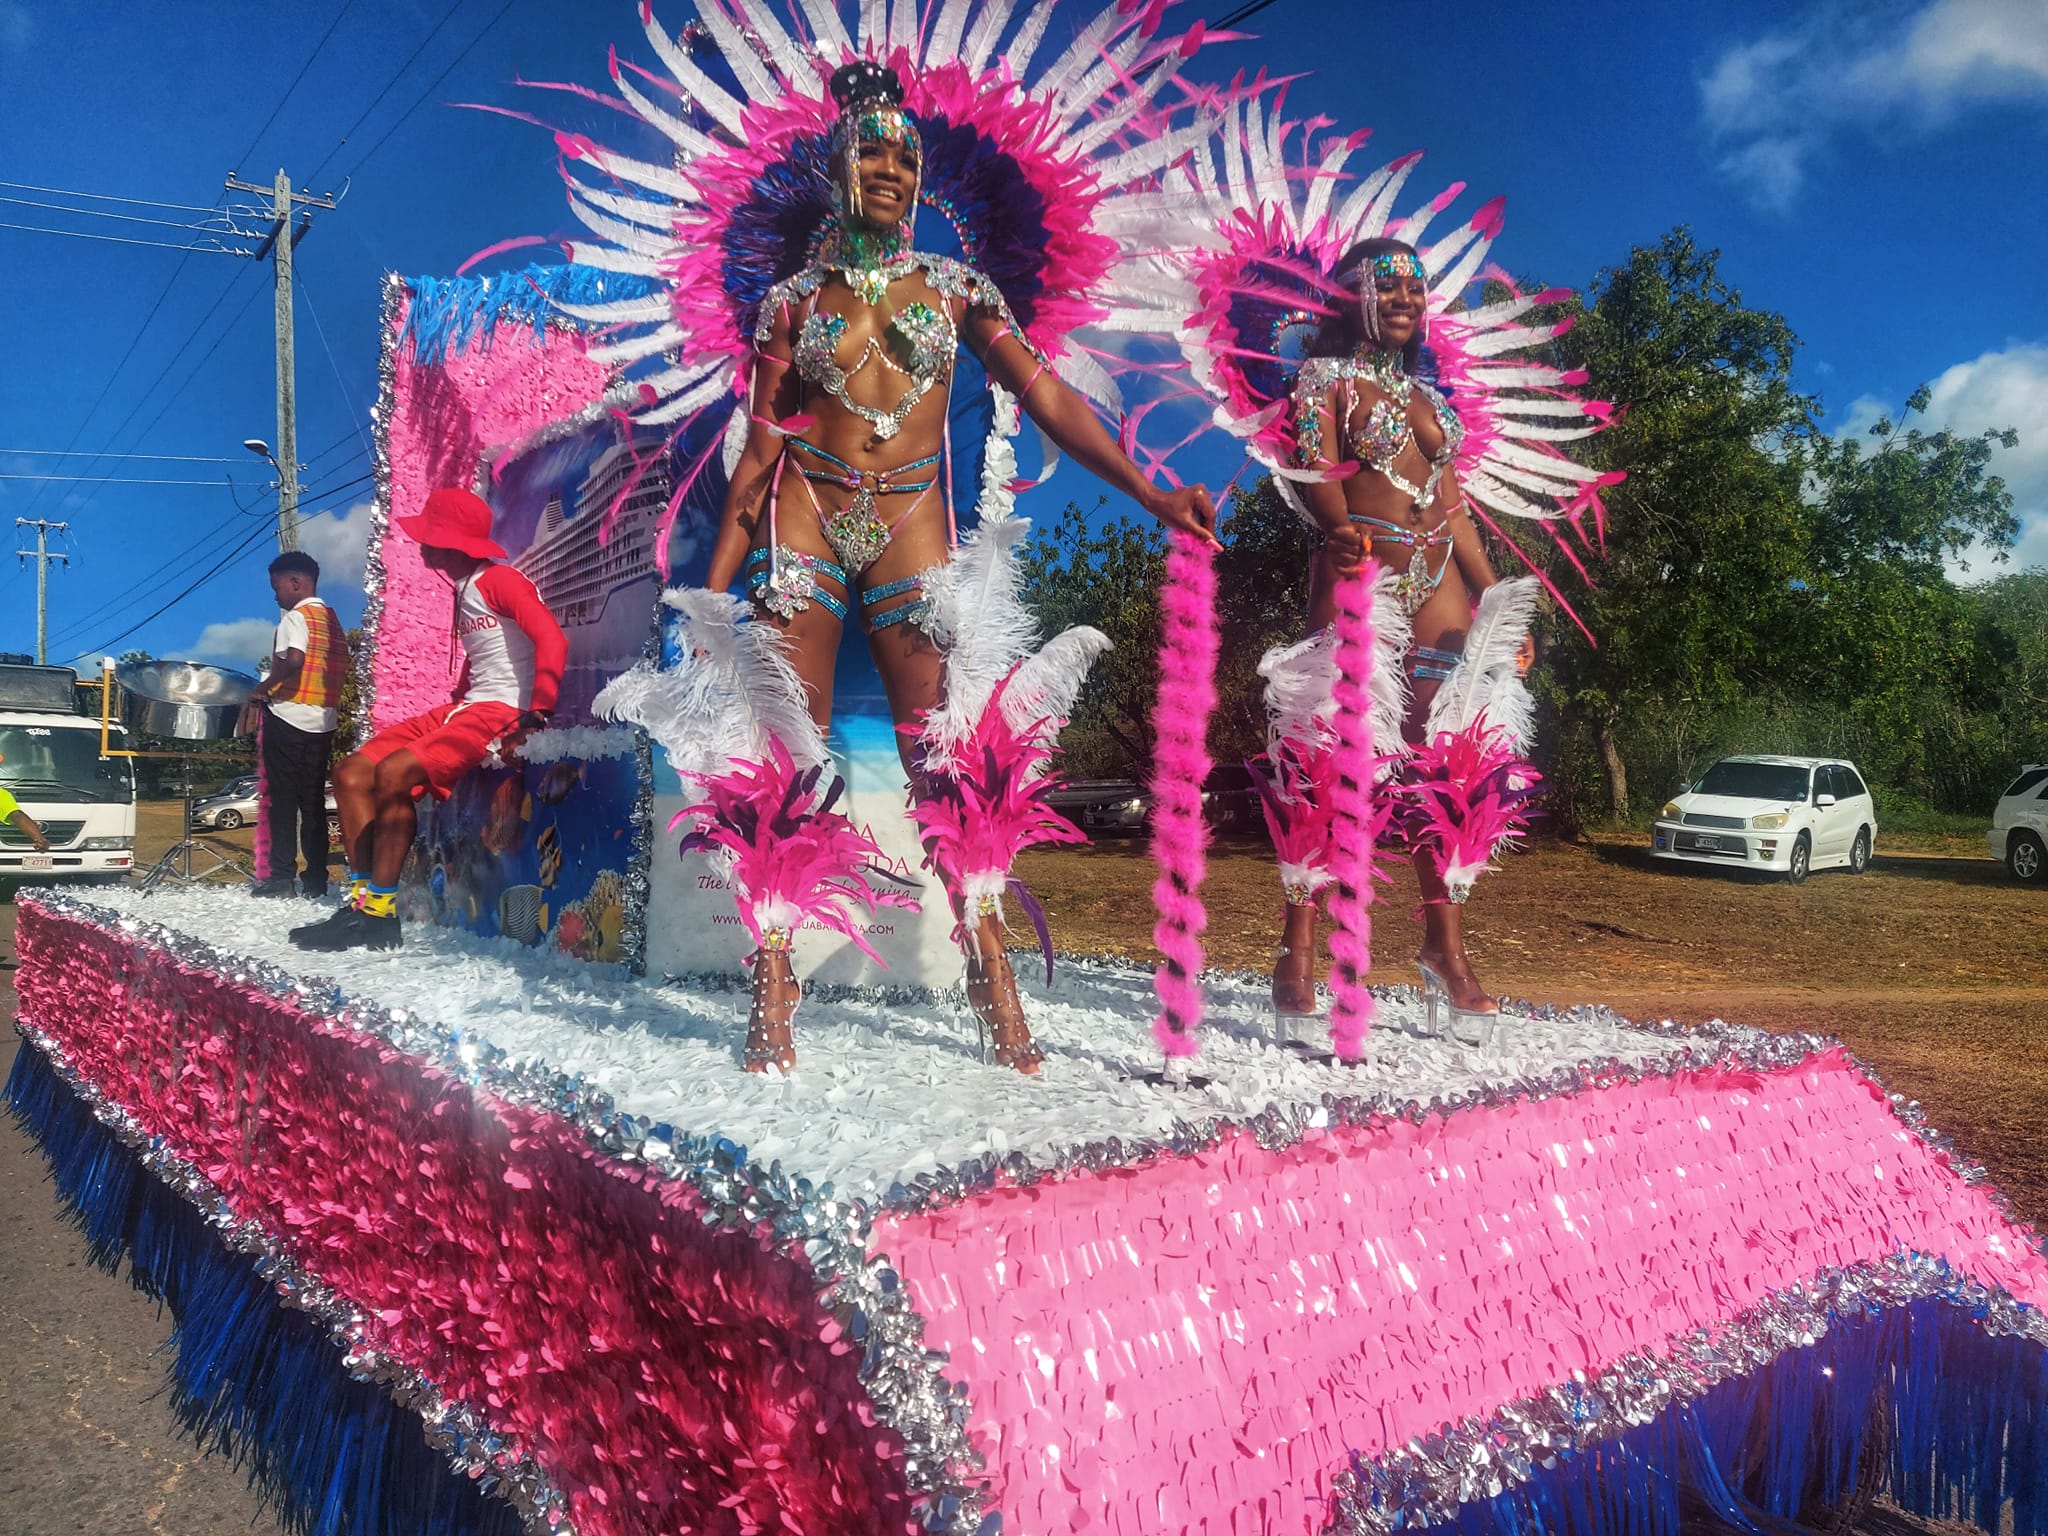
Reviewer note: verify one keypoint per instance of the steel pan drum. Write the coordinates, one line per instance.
(185, 699)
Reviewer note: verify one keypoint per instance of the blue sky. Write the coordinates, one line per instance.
(1876, 172)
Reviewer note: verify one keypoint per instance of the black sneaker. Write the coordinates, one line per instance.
(298, 935)
(313, 892)
(350, 928)
(275, 886)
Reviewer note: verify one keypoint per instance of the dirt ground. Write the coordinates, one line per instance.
(1933, 969)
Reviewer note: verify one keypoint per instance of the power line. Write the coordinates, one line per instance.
(104, 453)
(102, 213)
(378, 99)
(115, 480)
(215, 249)
(294, 84)
(341, 385)
(432, 85)
(106, 197)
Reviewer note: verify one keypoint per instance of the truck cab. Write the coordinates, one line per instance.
(50, 761)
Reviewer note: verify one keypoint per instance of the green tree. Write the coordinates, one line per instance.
(1108, 578)
(1693, 589)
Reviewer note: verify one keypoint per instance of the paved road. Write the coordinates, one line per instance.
(87, 1446)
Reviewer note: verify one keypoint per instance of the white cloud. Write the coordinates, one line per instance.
(1773, 104)
(340, 542)
(2004, 388)
(238, 642)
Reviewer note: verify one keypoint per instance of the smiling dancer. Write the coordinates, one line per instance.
(1398, 422)
(839, 508)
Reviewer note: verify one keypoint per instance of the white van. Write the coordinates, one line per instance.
(50, 761)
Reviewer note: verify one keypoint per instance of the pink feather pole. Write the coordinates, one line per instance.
(1355, 828)
(1180, 767)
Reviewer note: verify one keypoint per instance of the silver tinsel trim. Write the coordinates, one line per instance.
(364, 661)
(640, 865)
(454, 1428)
(1426, 1480)
(802, 1222)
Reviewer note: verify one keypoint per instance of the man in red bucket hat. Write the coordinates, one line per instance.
(513, 651)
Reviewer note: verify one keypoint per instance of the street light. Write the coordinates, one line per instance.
(257, 446)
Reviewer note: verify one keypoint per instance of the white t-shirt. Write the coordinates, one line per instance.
(292, 635)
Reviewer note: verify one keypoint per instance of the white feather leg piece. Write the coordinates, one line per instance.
(1045, 686)
(1300, 691)
(1488, 679)
(982, 625)
(732, 690)
(1387, 691)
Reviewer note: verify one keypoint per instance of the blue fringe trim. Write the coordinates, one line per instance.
(453, 314)
(264, 1384)
(1957, 1419)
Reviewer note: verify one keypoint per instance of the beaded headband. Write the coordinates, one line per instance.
(870, 98)
(1387, 264)
(1396, 264)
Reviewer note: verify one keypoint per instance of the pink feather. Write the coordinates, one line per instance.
(1357, 819)
(795, 861)
(1464, 795)
(1180, 767)
(976, 821)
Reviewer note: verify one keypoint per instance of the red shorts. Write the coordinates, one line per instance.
(449, 741)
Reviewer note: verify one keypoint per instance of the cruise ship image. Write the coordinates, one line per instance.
(604, 595)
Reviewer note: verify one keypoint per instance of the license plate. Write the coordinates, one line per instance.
(1706, 842)
(38, 861)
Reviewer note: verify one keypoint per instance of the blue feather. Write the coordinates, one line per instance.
(453, 314)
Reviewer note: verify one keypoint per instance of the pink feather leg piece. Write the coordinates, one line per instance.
(794, 860)
(1465, 795)
(976, 819)
(1180, 767)
(1294, 779)
(1356, 820)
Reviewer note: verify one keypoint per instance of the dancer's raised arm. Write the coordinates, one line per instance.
(1078, 431)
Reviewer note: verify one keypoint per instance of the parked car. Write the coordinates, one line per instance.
(1229, 798)
(2019, 827)
(1102, 805)
(1787, 815)
(234, 805)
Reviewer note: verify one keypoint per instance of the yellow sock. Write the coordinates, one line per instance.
(377, 903)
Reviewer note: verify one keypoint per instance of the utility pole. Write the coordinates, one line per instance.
(42, 557)
(279, 245)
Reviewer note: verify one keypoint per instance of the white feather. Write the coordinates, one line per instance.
(1488, 679)
(1388, 691)
(982, 625)
(732, 690)
(1301, 680)
(1045, 686)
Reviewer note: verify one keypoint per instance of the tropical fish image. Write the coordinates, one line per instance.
(558, 781)
(505, 821)
(549, 848)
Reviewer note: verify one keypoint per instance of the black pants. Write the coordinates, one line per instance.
(295, 798)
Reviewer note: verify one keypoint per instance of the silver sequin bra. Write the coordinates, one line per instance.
(923, 334)
(1385, 433)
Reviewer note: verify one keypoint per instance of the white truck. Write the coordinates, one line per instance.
(50, 761)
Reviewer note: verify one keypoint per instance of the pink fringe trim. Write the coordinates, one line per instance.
(1180, 767)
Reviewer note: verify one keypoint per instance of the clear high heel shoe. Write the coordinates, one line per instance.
(1436, 998)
